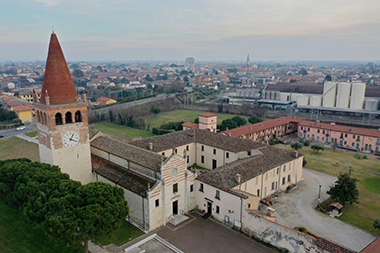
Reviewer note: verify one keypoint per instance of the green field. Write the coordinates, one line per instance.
(121, 235)
(363, 214)
(32, 134)
(119, 132)
(14, 147)
(17, 235)
(182, 115)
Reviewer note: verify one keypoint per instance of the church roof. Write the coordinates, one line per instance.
(57, 81)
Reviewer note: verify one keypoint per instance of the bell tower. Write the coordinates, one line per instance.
(62, 122)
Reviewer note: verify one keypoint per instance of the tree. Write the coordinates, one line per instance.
(306, 143)
(344, 190)
(317, 147)
(78, 73)
(255, 119)
(296, 145)
(239, 121)
(376, 224)
(303, 72)
(155, 110)
(228, 123)
(148, 78)
(196, 121)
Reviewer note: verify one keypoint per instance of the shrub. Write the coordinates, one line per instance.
(364, 157)
(296, 145)
(255, 119)
(317, 147)
(358, 156)
(306, 143)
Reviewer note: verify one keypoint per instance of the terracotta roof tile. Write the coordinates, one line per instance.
(190, 125)
(57, 81)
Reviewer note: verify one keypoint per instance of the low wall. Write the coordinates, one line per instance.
(282, 237)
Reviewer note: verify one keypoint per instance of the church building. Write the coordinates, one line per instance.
(163, 177)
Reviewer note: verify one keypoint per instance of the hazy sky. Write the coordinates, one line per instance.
(204, 29)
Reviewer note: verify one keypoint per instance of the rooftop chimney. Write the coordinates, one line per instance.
(296, 154)
(150, 146)
(238, 178)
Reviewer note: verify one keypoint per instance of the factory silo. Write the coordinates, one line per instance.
(316, 101)
(329, 93)
(343, 95)
(357, 96)
(302, 100)
(371, 105)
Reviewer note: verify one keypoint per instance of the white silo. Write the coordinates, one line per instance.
(302, 100)
(316, 101)
(329, 92)
(357, 96)
(343, 95)
(371, 105)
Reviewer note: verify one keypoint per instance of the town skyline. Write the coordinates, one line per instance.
(205, 30)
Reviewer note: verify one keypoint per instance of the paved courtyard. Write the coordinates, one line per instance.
(199, 235)
(297, 209)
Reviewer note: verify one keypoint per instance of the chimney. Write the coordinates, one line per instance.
(35, 96)
(229, 133)
(238, 178)
(84, 95)
(296, 154)
(47, 98)
(150, 146)
(227, 128)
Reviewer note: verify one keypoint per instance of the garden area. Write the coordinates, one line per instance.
(364, 168)
(119, 132)
(12, 148)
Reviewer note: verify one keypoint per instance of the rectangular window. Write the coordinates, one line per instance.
(258, 192)
(202, 159)
(272, 186)
(175, 188)
(257, 180)
(214, 151)
(249, 153)
(157, 203)
(203, 148)
(163, 153)
(345, 135)
(353, 144)
(284, 167)
(278, 171)
(201, 187)
(227, 155)
(283, 180)
(187, 148)
(217, 194)
(266, 176)
(288, 178)
(188, 159)
(217, 209)
(191, 188)
(176, 151)
(290, 166)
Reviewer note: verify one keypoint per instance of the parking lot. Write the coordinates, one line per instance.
(296, 209)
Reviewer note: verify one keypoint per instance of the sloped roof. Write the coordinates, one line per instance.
(121, 176)
(134, 154)
(190, 125)
(180, 138)
(57, 80)
(224, 177)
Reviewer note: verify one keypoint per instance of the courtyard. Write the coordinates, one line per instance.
(296, 209)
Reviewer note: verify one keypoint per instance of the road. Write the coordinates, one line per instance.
(296, 209)
(12, 132)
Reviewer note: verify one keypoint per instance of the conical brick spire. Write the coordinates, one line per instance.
(58, 82)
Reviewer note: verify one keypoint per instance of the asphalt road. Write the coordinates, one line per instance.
(12, 132)
(296, 209)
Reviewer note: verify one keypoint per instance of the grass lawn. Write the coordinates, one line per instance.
(118, 132)
(120, 236)
(363, 214)
(14, 147)
(17, 235)
(185, 115)
(32, 134)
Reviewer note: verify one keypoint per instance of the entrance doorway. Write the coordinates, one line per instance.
(214, 164)
(175, 207)
(209, 208)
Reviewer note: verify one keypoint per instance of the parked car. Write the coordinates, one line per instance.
(20, 128)
(1, 136)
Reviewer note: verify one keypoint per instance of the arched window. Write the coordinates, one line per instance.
(58, 119)
(78, 116)
(38, 116)
(69, 118)
(45, 119)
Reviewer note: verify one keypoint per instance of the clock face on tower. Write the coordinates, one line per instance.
(70, 139)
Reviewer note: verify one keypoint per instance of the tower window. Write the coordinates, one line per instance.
(78, 116)
(58, 119)
(69, 118)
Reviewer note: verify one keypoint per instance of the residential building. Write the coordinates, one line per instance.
(207, 121)
(106, 101)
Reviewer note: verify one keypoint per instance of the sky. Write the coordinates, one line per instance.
(208, 30)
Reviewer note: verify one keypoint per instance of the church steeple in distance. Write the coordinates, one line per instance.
(248, 63)
(58, 83)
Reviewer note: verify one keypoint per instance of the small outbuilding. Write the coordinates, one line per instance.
(336, 209)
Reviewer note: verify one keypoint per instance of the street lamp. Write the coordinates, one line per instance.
(319, 195)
